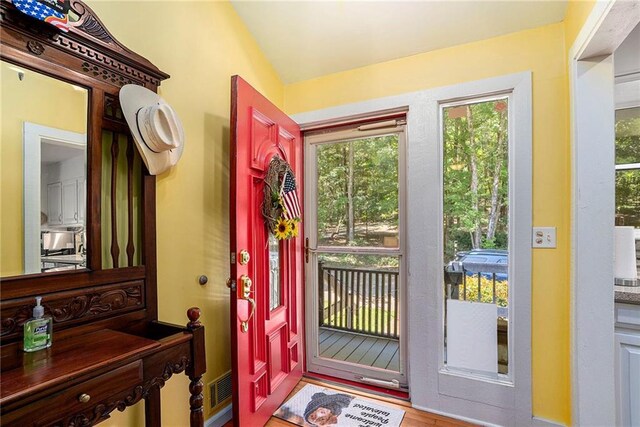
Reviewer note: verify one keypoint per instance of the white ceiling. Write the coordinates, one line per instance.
(307, 39)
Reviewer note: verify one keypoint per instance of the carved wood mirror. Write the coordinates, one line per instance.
(67, 133)
(78, 206)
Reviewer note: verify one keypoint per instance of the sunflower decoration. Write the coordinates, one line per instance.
(294, 228)
(280, 208)
(284, 228)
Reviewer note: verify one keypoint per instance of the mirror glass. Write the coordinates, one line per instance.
(43, 158)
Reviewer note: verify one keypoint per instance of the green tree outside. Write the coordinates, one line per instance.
(475, 179)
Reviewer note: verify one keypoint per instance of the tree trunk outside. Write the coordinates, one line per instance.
(476, 233)
(350, 222)
(494, 213)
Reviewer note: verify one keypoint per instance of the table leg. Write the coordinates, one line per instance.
(152, 413)
(195, 401)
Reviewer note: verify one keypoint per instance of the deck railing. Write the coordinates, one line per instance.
(478, 282)
(359, 300)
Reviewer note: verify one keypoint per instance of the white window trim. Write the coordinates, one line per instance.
(452, 371)
(627, 166)
(424, 278)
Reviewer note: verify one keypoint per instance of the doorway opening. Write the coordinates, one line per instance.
(355, 237)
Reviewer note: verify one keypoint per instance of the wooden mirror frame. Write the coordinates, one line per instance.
(107, 341)
(88, 56)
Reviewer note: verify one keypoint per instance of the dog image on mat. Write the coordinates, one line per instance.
(324, 409)
(315, 406)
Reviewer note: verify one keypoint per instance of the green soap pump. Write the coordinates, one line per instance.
(38, 330)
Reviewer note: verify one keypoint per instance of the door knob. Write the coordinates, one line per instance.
(246, 284)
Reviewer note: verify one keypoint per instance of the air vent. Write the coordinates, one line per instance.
(220, 389)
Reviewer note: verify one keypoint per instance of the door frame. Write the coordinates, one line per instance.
(345, 370)
(33, 136)
(423, 326)
(591, 86)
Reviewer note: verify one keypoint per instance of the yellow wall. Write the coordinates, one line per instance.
(575, 17)
(37, 99)
(542, 51)
(201, 45)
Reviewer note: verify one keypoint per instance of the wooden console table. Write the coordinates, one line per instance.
(81, 379)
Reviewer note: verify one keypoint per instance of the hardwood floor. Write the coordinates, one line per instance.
(364, 350)
(413, 417)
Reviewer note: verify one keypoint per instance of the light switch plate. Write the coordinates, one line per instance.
(544, 237)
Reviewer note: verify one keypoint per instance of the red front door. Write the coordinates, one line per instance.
(267, 347)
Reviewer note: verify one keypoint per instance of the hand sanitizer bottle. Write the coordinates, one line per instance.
(38, 330)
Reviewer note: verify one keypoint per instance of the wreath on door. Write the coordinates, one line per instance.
(281, 208)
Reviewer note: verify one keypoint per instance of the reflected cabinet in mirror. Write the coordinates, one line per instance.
(44, 173)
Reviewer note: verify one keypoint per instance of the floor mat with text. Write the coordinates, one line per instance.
(318, 406)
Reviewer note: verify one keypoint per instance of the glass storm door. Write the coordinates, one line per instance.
(266, 274)
(356, 271)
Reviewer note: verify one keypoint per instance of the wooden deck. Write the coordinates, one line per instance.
(365, 350)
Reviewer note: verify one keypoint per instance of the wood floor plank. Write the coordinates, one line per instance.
(386, 355)
(373, 352)
(349, 348)
(337, 346)
(362, 349)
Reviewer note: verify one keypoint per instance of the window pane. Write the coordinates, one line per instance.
(475, 215)
(628, 197)
(274, 273)
(358, 192)
(628, 136)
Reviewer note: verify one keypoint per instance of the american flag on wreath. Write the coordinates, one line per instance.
(42, 12)
(289, 197)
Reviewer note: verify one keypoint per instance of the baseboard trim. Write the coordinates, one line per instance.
(221, 417)
(545, 423)
(454, 416)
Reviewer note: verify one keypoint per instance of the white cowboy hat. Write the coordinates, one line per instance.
(155, 127)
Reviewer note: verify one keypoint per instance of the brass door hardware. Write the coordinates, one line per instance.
(244, 257)
(306, 250)
(84, 398)
(246, 283)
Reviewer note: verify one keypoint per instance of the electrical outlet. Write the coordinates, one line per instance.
(544, 237)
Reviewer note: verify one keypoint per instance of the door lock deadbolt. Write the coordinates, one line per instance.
(244, 257)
